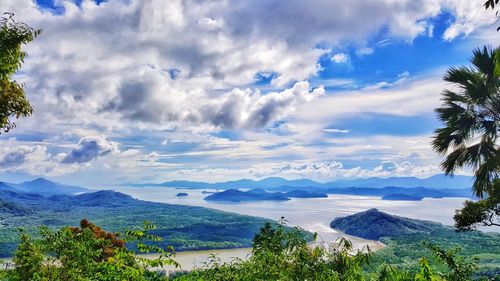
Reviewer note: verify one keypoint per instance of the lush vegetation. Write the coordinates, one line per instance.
(184, 227)
(13, 101)
(404, 237)
(373, 224)
(405, 250)
(90, 253)
(469, 138)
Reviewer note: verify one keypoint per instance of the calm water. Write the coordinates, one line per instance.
(313, 214)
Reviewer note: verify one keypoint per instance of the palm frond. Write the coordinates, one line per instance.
(483, 60)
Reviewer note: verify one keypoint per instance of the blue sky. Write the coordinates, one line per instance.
(133, 91)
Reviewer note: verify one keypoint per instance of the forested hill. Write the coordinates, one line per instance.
(404, 238)
(373, 224)
(184, 227)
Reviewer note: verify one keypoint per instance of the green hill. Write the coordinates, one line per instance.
(404, 238)
(183, 227)
(373, 224)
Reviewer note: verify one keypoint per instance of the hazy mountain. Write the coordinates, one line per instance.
(373, 224)
(266, 183)
(44, 186)
(5, 187)
(411, 191)
(437, 181)
(284, 185)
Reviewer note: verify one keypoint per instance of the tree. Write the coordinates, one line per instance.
(88, 253)
(493, 4)
(471, 117)
(13, 101)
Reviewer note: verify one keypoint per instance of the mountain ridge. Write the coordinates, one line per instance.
(276, 183)
(45, 186)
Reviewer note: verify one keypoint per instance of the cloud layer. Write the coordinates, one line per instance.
(174, 88)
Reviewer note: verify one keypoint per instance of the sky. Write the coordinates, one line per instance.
(149, 91)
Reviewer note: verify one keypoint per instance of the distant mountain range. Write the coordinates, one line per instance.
(42, 186)
(267, 183)
(284, 185)
(436, 186)
(402, 191)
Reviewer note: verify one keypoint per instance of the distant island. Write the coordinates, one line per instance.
(234, 195)
(402, 197)
(182, 194)
(258, 194)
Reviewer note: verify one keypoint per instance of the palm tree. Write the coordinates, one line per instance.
(471, 117)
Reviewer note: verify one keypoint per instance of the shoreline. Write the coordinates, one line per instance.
(190, 260)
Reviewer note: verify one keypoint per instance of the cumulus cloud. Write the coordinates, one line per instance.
(34, 159)
(118, 59)
(89, 149)
(232, 110)
(122, 67)
(332, 170)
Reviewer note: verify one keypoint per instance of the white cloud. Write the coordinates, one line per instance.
(116, 52)
(183, 69)
(333, 130)
(365, 51)
(341, 58)
(34, 159)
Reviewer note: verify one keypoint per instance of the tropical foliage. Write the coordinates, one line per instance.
(90, 253)
(13, 101)
(469, 138)
(87, 253)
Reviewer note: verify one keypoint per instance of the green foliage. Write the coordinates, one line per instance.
(403, 252)
(13, 101)
(183, 227)
(484, 212)
(29, 260)
(471, 118)
(87, 253)
(283, 255)
(279, 253)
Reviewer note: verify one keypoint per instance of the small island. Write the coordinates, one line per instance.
(234, 195)
(305, 194)
(258, 194)
(182, 194)
(402, 197)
